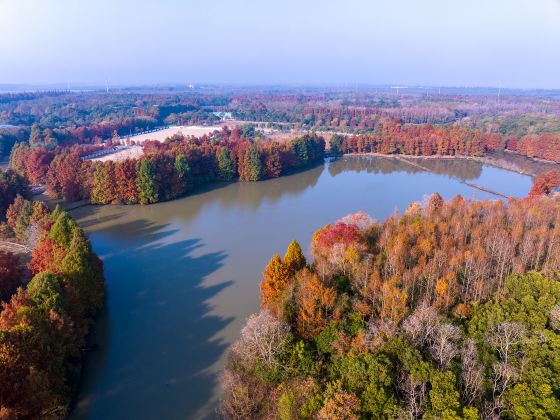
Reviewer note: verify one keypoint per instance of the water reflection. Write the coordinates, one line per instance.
(523, 164)
(462, 169)
(156, 335)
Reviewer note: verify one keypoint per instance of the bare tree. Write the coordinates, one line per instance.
(492, 410)
(503, 375)
(263, 339)
(472, 374)
(443, 346)
(414, 392)
(554, 317)
(378, 330)
(505, 339)
(421, 325)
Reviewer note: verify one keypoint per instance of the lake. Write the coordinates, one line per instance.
(183, 276)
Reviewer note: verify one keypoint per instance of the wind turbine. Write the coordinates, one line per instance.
(398, 87)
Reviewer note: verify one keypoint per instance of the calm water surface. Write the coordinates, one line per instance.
(183, 276)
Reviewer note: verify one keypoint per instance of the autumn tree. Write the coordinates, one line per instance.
(276, 279)
(272, 162)
(252, 165)
(544, 184)
(315, 303)
(125, 179)
(64, 177)
(10, 275)
(294, 258)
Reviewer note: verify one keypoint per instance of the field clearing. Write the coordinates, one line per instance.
(130, 152)
(135, 151)
(161, 135)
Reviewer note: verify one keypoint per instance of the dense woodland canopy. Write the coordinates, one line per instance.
(450, 310)
(167, 170)
(47, 305)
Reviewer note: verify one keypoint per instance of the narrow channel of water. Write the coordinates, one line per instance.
(183, 276)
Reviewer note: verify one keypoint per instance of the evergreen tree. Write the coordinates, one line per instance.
(225, 164)
(103, 184)
(63, 228)
(46, 291)
(299, 148)
(253, 165)
(336, 144)
(36, 135)
(146, 182)
(183, 174)
(81, 269)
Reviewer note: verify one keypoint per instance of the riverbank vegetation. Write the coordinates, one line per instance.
(450, 310)
(47, 307)
(428, 140)
(167, 170)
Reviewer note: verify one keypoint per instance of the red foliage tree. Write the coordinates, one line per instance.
(544, 184)
(10, 275)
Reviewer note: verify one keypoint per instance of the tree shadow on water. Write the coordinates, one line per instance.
(156, 336)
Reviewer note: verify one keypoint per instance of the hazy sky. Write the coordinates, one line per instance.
(509, 43)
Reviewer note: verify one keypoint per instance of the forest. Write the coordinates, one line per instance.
(62, 118)
(449, 310)
(49, 296)
(429, 140)
(167, 170)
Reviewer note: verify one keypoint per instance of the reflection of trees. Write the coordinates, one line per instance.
(522, 163)
(463, 169)
(238, 194)
(242, 194)
(460, 168)
(253, 194)
(157, 335)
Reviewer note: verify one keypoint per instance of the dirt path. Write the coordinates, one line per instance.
(14, 248)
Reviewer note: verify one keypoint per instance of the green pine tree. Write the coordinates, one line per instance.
(253, 165)
(225, 164)
(146, 182)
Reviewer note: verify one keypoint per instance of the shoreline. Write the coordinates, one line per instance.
(488, 160)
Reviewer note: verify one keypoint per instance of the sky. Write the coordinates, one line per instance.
(505, 43)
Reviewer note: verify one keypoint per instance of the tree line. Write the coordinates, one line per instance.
(429, 140)
(167, 170)
(450, 310)
(47, 309)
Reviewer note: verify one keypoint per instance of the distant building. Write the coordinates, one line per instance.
(224, 116)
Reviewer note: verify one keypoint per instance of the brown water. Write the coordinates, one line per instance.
(183, 276)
